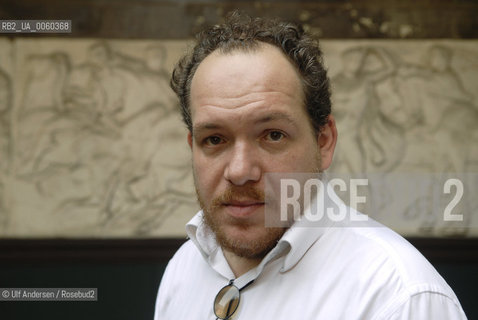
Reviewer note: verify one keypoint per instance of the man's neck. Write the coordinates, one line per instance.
(240, 265)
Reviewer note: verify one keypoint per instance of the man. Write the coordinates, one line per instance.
(255, 97)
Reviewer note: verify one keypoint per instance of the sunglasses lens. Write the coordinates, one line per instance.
(226, 301)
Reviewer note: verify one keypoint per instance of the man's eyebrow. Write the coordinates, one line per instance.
(276, 116)
(204, 126)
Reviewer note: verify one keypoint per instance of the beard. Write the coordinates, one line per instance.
(241, 247)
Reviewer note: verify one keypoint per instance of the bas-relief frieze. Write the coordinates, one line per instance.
(409, 109)
(405, 106)
(99, 146)
(92, 142)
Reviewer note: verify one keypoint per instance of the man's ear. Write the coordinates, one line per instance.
(327, 139)
(190, 139)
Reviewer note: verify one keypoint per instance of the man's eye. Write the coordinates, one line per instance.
(213, 140)
(275, 135)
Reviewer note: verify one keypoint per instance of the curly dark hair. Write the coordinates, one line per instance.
(241, 32)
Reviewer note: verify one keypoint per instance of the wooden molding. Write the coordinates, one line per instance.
(88, 250)
(159, 19)
(33, 251)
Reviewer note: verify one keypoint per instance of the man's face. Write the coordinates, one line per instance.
(248, 118)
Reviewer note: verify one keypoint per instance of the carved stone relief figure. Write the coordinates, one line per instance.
(91, 146)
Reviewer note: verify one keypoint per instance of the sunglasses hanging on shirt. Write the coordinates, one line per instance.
(227, 300)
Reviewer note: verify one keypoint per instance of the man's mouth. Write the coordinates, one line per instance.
(242, 208)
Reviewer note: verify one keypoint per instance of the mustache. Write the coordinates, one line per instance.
(235, 193)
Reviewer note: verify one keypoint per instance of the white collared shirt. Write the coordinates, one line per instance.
(333, 271)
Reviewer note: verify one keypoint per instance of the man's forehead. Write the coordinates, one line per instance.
(240, 72)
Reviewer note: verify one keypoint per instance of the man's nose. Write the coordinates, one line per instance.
(243, 166)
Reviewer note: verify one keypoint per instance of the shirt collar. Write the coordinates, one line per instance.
(300, 237)
(201, 235)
